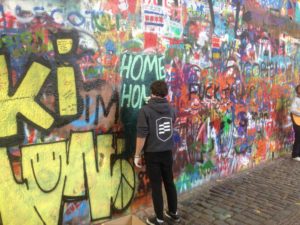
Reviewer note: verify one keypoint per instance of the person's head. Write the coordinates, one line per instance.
(159, 88)
(297, 89)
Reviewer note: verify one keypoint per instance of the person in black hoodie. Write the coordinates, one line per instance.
(155, 138)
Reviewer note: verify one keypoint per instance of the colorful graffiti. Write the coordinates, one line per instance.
(48, 177)
(73, 75)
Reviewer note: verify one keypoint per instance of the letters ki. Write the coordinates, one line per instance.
(84, 167)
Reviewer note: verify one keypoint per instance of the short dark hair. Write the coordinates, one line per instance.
(159, 88)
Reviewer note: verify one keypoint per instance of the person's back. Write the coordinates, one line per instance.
(160, 118)
(155, 138)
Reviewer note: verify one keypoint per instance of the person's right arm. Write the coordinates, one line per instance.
(142, 133)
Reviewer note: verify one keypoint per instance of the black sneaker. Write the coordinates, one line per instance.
(172, 216)
(154, 221)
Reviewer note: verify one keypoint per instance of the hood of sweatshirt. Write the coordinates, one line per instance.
(160, 105)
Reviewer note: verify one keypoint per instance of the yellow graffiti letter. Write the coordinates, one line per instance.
(23, 101)
(67, 91)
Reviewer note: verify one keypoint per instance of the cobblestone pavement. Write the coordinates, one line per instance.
(268, 194)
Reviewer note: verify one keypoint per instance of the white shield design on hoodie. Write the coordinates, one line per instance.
(164, 129)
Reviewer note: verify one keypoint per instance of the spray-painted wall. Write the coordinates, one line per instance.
(74, 73)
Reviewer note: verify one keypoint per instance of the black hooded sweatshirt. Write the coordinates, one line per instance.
(155, 123)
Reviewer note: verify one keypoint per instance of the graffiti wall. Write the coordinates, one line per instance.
(74, 73)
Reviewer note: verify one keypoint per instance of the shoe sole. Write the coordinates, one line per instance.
(171, 218)
(150, 223)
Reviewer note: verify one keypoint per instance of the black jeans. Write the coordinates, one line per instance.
(296, 146)
(159, 168)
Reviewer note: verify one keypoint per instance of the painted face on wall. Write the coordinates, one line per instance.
(195, 105)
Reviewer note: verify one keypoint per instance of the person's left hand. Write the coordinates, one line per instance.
(138, 161)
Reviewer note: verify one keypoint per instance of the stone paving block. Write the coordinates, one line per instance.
(197, 222)
(237, 209)
(255, 216)
(223, 216)
(198, 207)
(272, 222)
(213, 201)
(268, 194)
(219, 195)
(264, 216)
(209, 218)
(194, 213)
(204, 220)
(205, 204)
(252, 222)
(226, 206)
(278, 207)
(184, 215)
(242, 219)
(218, 209)
(208, 211)
(220, 222)
(232, 222)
